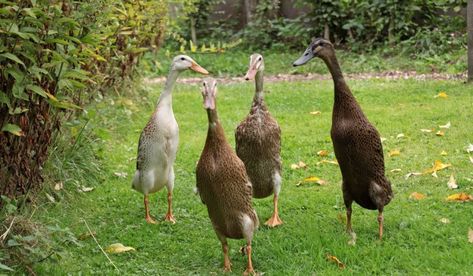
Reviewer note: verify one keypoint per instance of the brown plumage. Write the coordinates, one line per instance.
(223, 184)
(258, 143)
(355, 140)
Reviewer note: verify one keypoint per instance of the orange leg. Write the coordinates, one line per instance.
(169, 216)
(380, 221)
(148, 218)
(227, 265)
(274, 220)
(249, 269)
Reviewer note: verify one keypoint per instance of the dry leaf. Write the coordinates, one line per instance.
(315, 113)
(440, 133)
(325, 161)
(312, 179)
(442, 94)
(452, 183)
(444, 153)
(470, 235)
(400, 135)
(323, 152)
(393, 153)
(383, 139)
(412, 174)
(59, 186)
(121, 174)
(50, 197)
(427, 130)
(300, 165)
(85, 189)
(447, 125)
(445, 220)
(460, 197)
(417, 196)
(469, 148)
(118, 248)
(395, 170)
(336, 260)
(438, 165)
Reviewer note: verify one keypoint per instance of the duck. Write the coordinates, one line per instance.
(258, 143)
(356, 142)
(223, 184)
(159, 141)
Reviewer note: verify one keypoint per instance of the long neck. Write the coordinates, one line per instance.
(166, 96)
(259, 94)
(342, 91)
(215, 132)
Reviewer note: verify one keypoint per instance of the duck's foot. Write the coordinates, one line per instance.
(169, 217)
(227, 266)
(150, 220)
(352, 235)
(249, 271)
(273, 221)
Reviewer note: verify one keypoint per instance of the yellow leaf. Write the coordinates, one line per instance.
(442, 94)
(325, 161)
(460, 197)
(322, 152)
(393, 153)
(412, 174)
(336, 261)
(118, 248)
(383, 139)
(300, 165)
(400, 135)
(427, 130)
(315, 112)
(396, 170)
(440, 133)
(444, 153)
(417, 196)
(438, 165)
(470, 235)
(447, 125)
(445, 220)
(452, 183)
(311, 179)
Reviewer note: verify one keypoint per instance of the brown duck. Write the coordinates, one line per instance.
(355, 140)
(258, 143)
(223, 184)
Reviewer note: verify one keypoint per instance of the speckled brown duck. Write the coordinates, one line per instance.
(158, 142)
(355, 140)
(258, 143)
(223, 184)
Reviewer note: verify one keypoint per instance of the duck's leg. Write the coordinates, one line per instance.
(249, 268)
(274, 220)
(380, 221)
(348, 202)
(227, 265)
(148, 218)
(170, 185)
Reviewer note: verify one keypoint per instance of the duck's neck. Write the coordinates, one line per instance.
(165, 100)
(215, 132)
(259, 94)
(342, 91)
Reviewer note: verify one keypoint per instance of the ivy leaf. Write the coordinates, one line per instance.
(13, 129)
(12, 57)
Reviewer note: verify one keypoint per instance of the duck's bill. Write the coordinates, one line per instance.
(308, 55)
(199, 69)
(251, 73)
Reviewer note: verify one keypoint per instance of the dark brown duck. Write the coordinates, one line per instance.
(258, 143)
(356, 142)
(223, 184)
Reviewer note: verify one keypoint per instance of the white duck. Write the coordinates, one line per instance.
(159, 140)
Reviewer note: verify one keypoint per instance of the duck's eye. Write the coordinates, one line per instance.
(259, 59)
(183, 58)
(204, 83)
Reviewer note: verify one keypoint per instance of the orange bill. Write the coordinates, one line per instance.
(251, 73)
(199, 69)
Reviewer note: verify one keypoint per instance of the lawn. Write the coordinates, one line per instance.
(415, 241)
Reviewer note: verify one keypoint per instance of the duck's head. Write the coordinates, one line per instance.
(209, 92)
(183, 62)
(319, 47)
(256, 65)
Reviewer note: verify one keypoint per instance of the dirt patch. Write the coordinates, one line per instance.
(389, 75)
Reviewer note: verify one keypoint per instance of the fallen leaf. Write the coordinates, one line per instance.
(412, 174)
(400, 135)
(315, 113)
(452, 183)
(460, 197)
(300, 165)
(417, 196)
(323, 152)
(447, 125)
(59, 186)
(336, 260)
(393, 153)
(118, 248)
(383, 139)
(469, 148)
(440, 133)
(395, 170)
(445, 220)
(312, 179)
(438, 165)
(121, 174)
(325, 161)
(85, 189)
(442, 94)
(470, 235)
(426, 130)
(444, 153)
(50, 197)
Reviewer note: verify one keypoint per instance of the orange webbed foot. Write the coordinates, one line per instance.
(170, 218)
(150, 220)
(273, 221)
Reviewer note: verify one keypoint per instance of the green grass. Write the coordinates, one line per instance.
(415, 241)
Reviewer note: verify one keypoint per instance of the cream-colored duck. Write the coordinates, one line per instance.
(223, 184)
(159, 140)
(258, 143)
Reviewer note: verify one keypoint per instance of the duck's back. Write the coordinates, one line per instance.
(258, 145)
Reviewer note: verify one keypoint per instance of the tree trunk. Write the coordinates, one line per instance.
(193, 35)
(469, 16)
(246, 12)
(326, 32)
